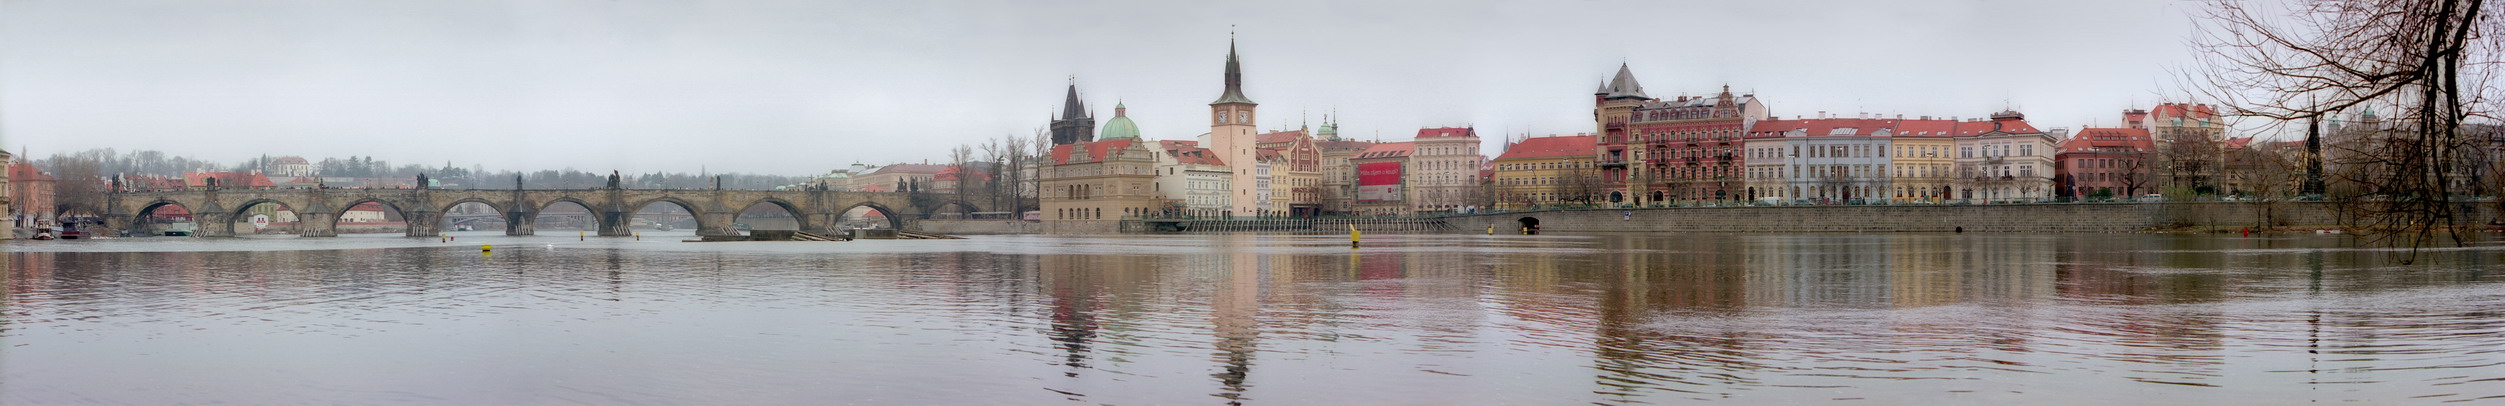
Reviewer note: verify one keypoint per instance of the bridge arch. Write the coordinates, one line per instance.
(242, 213)
(694, 212)
(342, 215)
(456, 219)
(800, 219)
(895, 221)
(591, 214)
(159, 216)
(501, 209)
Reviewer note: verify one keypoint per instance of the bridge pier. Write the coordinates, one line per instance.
(716, 224)
(124, 223)
(422, 223)
(614, 223)
(317, 224)
(214, 221)
(521, 223)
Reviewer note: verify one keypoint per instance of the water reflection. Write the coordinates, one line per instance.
(1904, 318)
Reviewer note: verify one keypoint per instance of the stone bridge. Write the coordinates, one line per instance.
(318, 210)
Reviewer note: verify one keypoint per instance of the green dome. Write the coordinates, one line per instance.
(1119, 127)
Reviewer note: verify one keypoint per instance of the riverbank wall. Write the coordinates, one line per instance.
(2062, 217)
(976, 227)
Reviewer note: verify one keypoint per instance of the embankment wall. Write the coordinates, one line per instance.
(2066, 217)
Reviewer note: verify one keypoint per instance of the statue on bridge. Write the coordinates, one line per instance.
(421, 183)
(613, 179)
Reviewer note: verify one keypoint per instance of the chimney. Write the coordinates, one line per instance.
(1822, 114)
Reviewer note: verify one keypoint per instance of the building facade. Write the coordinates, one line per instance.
(1684, 149)
(1548, 171)
(1823, 161)
(1295, 174)
(1381, 179)
(8, 189)
(1445, 174)
(2003, 160)
(2190, 141)
(30, 193)
(1339, 180)
(1924, 168)
(1192, 179)
(1092, 186)
(2105, 163)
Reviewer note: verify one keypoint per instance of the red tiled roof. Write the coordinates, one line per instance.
(27, 172)
(1277, 137)
(1096, 149)
(1551, 147)
(1824, 127)
(2238, 143)
(1951, 128)
(1196, 156)
(2088, 139)
(1446, 132)
(1386, 150)
(1189, 152)
(2170, 110)
(911, 168)
(1268, 154)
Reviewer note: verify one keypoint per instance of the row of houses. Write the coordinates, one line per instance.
(1729, 149)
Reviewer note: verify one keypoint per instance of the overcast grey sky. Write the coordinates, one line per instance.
(804, 86)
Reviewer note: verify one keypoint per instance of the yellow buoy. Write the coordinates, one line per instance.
(1353, 235)
(486, 248)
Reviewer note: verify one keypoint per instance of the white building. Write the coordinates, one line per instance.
(2004, 160)
(1444, 165)
(1825, 160)
(1192, 177)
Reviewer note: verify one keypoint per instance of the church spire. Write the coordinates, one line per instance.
(1234, 78)
(1072, 108)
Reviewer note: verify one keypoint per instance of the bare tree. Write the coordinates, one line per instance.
(2135, 173)
(2430, 62)
(78, 183)
(1580, 184)
(995, 158)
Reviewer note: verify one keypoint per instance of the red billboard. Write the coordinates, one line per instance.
(1379, 181)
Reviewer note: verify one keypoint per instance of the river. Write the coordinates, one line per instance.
(1255, 319)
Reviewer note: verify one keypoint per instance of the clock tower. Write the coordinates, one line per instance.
(1231, 135)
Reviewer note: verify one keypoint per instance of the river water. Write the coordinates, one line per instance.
(1255, 319)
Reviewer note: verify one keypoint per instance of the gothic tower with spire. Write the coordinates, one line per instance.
(1231, 134)
(1075, 124)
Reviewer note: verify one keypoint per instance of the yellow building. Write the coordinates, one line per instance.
(1549, 171)
(1091, 186)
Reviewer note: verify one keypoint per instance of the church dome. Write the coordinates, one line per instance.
(1119, 127)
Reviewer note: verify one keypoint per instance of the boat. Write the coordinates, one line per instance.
(661, 227)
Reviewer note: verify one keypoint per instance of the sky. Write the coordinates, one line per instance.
(802, 87)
